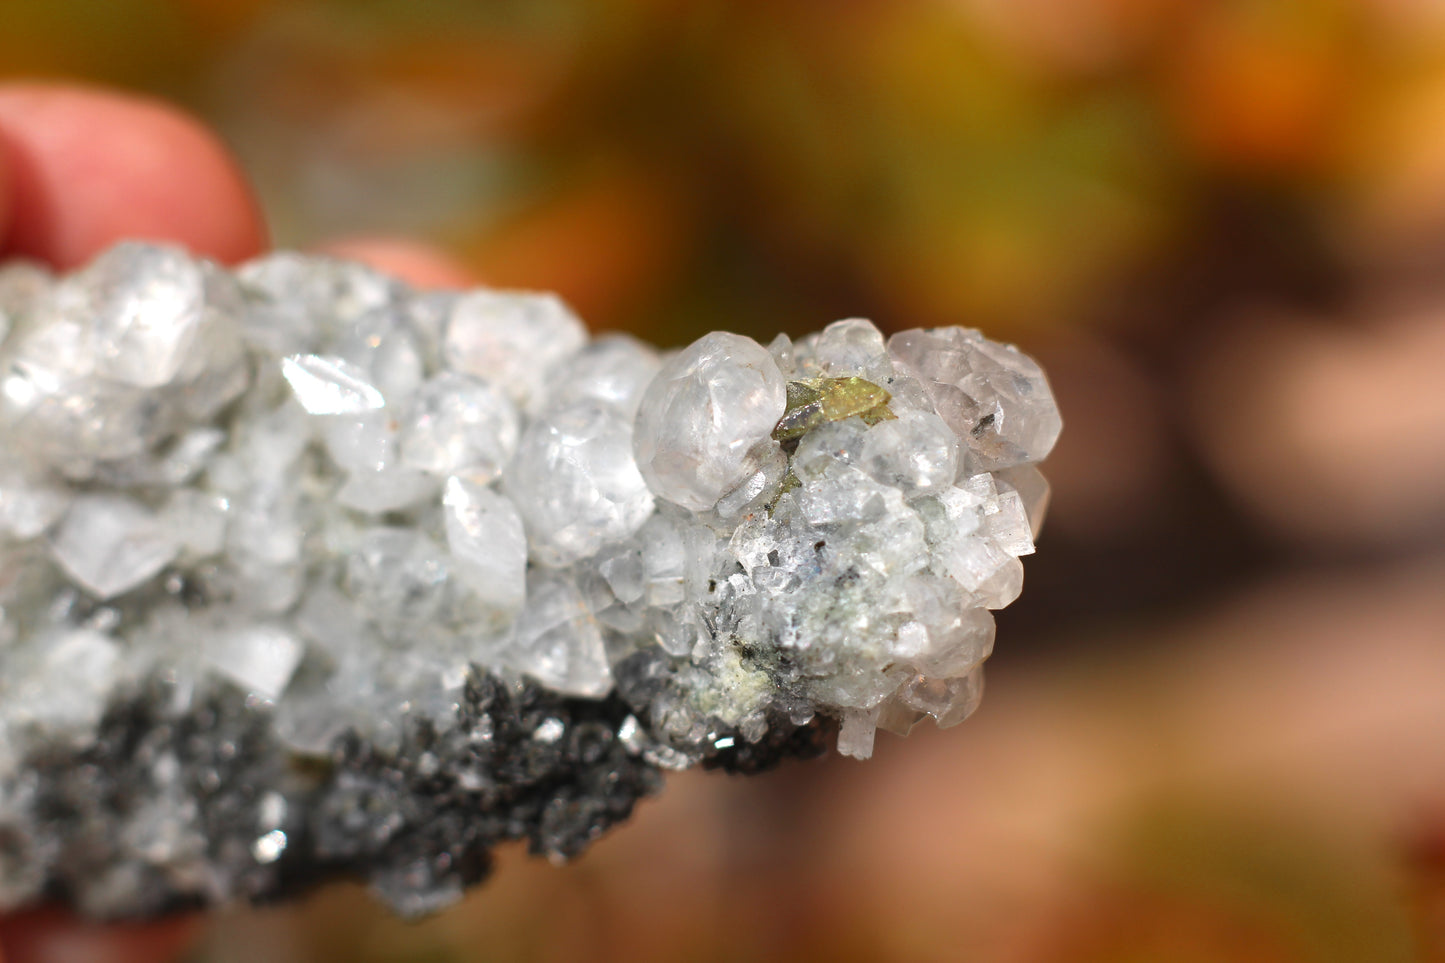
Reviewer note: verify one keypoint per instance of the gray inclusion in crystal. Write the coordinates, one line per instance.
(304, 574)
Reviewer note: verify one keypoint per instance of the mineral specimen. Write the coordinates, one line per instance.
(305, 574)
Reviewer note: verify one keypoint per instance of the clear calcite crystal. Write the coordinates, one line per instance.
(704, 417)
(303, 573)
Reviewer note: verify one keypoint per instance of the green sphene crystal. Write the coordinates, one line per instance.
(817, 401)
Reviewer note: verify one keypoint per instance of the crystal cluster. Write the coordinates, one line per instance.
(303, 572)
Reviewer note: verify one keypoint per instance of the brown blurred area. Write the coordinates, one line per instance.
(1215, 727)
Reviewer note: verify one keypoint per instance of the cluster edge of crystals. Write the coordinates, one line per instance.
(449, 543)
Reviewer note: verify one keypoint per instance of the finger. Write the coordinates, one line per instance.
(87, 168)
(5, 193)
(420, 265)
(50, 936)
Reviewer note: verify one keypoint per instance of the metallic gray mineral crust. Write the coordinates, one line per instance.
(304, 574)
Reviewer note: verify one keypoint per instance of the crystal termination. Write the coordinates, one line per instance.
(306, 574)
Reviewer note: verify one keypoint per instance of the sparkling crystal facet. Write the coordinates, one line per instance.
(111, 544)
(330, 385)
(513, 338)
(704, 415)
(459, 425)
(575, 482)
(485, 536)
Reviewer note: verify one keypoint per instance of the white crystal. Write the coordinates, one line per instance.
(1007, 523)
(898, 718)
(197, 520)
(378, 492)
(558, 641)
(67, 681)
(781, 348)
(513, 338)
(298, 301)
(948, 636)
(460, 425)
(614, 370)
(398, 576)
(664, 561)
(46, 357)
(949, 701)
(702, 417)
(972, 560)
(268, 847)
(265, 524)
(27, 507)
(366, 442)
(61, 409)
(754, 492)
(329, 619)
(1003, 587)
(330, 386)
(1033, 489)
(996, 398)
(915, 451)
(260, 658)
(382, 345)
(110, 544)
(487, 544)
(148, 305)
(576, 484)
(549, 731)
(855, 735)
(622, 570)
(853, 347)
(175, 463)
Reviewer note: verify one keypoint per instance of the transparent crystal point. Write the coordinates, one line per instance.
(853, 347)
(703, 415)
(559, 642)
(63, 681)
(948, 701)
(614, 370)
(992, 395)
(855, 735)
(398, 576)
(576, 484)
(512, 338)
(28, 506)
(328, 385)
(459, 425)
(1033, 489)
(916, 451)
(260, 658)
(487, 544)
(382, 344)
(110, 544)
(148, 305)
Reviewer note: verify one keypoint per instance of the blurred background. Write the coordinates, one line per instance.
(1215, 728)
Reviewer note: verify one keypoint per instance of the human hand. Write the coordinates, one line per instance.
(79, 170)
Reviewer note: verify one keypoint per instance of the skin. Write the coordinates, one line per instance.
(79, 170)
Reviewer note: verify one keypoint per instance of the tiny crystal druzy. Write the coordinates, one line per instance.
(306, 574)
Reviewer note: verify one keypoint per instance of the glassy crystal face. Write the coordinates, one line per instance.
(704, 416)
(486, 575)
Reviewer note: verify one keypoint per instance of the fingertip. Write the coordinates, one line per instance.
(6, 191)
(419, 264)
(52, 936)
(90, 167)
